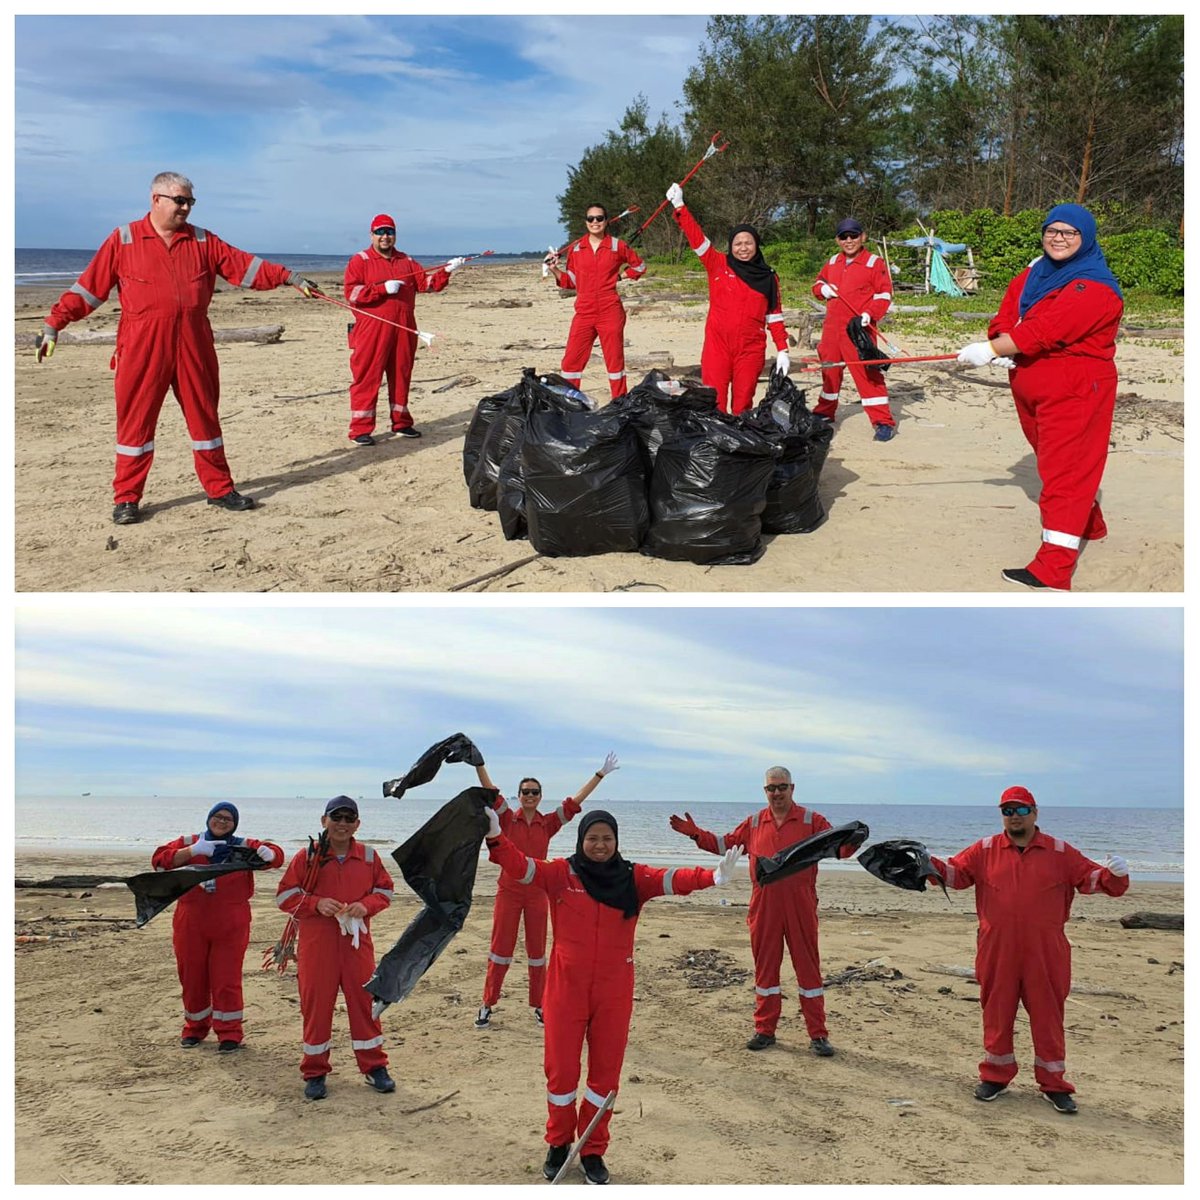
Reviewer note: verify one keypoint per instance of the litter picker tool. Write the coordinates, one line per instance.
(816, 364)
(895, 351)
(465, 257)
(426, 338)
(551, 250)
(609, 1101)
(713, 148)
(284, 950)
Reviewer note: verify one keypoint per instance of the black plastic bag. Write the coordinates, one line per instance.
(155, 890)
(659, 404)
(584, 481)
(901, 862)
(456, 748)
(864, 344)
(439, 863)
(502, 433)
(708, 491)
(486, 411)
(797, 857)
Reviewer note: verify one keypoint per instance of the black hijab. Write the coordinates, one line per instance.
(609, 882)
(755, 273)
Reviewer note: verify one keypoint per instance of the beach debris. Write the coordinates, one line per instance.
(609, 1101)
(710, 969)
(284, 950)
(826, 844)
(637, 585)
(1084, 989)
(902, 862)
(903, 1103)
(1152, 920)
(457, 381)
(494, 574)
(875, 971)
(503, 302)
(408, 1112)
(72, 882)
(93, 337)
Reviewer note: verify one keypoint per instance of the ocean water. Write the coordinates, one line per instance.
(48, 267)
(1150, 839)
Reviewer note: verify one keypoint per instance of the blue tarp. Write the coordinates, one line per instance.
(938, 245)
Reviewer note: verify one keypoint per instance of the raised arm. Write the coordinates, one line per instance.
(958, 872)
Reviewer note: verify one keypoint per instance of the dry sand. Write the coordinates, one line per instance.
(942, 508)
(104, 1094)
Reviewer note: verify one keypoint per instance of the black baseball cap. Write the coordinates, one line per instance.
(849, 225)
(338, 803)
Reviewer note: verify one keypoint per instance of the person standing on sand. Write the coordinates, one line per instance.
(211, 928)
(785, 912)
(166, 269)
(335, 950)
(1024, 883)
(385, 281)
(530, 831)
(597, 897)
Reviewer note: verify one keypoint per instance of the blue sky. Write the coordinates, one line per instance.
(875, 705)
(296, 130)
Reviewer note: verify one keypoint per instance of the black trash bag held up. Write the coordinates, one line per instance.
(155, 890)
(456, 748)
(708, 491)
(585, 482)
(807, 853)
(658, 406)
(486, 411)
(903, 863)
(438, 862)
(864, 344)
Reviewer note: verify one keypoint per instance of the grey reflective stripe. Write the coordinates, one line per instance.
(882, 296)
(774, 317)
(803, 813)
(1059, 844)
(220, 1016)
(613, 246)
(1057, 538)
(669, 883)
(616, 374)
(571, 277)
(126, 235)
(571, 374)
(362, 412)
(831, 262)
(868, 401)
(134, 451)
(830, 395)
(368, 854)
(201, 234)
(1000, 1060)
(307, 1048)
(369, 1044)
(703, 248)
(561, 1099)
(561, 813)
(364, 256)
(1057, 1067)
(383, 892)
(631, 270)
(537, 962)
(594, 1097)
(197, 1016)
(529, 873)
(496, 958)
(872, 259)
(951, 874)
(356, 291)
(987, 842)
(809, 993)
(755, 820)
(80, 290)
(213, 444)
(771, 991)
(721, 844)
(279, 900)
(251, 272)
(1093, 881)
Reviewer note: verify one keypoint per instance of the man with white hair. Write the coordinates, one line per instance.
(166, 269)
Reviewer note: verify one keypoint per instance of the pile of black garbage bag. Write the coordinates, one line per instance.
(660, 469)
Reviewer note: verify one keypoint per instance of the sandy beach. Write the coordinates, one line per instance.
(941, 509)
(105, 1095)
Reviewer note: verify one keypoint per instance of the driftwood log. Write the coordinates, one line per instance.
(94, 337)
(1083, 989)
(1152, 920)
(69, 881)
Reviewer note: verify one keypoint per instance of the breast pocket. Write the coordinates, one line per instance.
(137, 295)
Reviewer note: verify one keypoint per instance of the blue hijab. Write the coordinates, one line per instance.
(221, 853)
(1088, 262)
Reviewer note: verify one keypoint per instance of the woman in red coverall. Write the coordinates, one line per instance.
(596, 897)
(530, 831)
(594, 264)
(743, 295)
(1058, 326)
(211, 928)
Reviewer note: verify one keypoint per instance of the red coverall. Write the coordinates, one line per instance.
(864, 284)
(783, 912)
(589, 987)
(326, 958)
(378, 349)
(210, 932)
(734, 341)
(512, 900)
(1065, 388)
(598, 309)
(1023, 899)
(164, 339)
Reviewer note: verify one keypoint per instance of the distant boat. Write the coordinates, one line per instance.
(85, 793)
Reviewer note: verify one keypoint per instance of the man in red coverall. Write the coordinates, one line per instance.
(335, 949)
(594, 264)
(853, 283)
(530, 831)
(784, 912)
(384, 281)
(211, 928)
(1024, 883)
(165, 268)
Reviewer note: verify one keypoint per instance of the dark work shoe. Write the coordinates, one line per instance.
(233, 501)
(821, 1046)
(1027, 578)
(126, 514)
(380, 1080)
(555, 1157)
(987, 1091)
(189, 1043)
(484, 1019)
(537, 1016)
(409, 432)
(593, 1168)
(1062, 1102)
(760, 1041)
(885, 433)
(364, 439)
(228, 1046)
(314, 1089)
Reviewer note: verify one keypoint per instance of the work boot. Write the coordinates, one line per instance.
(555, 1157)
(821, 1048)
(314, 1089)
(409, 432)
(484, 1019)
(885, 433)
(537, 1016)
(228, 1046)
(380, 1080)
(189, 1043)
(364, 439)
(232, 501)
(760, 1041)
(987, 1091)
(1062, 1102)
(126, 514)
(593, 1168)
(1023, 576)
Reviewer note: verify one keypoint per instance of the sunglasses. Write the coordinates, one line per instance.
(179, 201)
(776, 787)
(384, 232)
(591, 220)
(1017, 810)
(846, 237)
(342, 817)
(531, 791)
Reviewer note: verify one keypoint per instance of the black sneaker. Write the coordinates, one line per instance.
(760, 1041)
(484, 1019)
(188, 1043)
(364, 439)
(1026, 578)
(232, 501)
(380, 1080)
(537, 1016)
(126, 514)
(409, 432)
(987, 1091)
(593, 1168)
(314, 1089)
(885, 433)
(1062, 1102)
(555, 1157)
(228, 1046)
(821, 1046)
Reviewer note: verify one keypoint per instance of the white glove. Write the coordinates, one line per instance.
(391, 286)
(205, 847)
(828, 291)
(351, 927)
(266, 854)
(724, 872)
(976, 354)
(493, 824)
(1003, 361)
(454, 264)
(675, 195)
(610, 764)
(783, 364)
(46, 342)
(1117, 865)
(866, 319)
